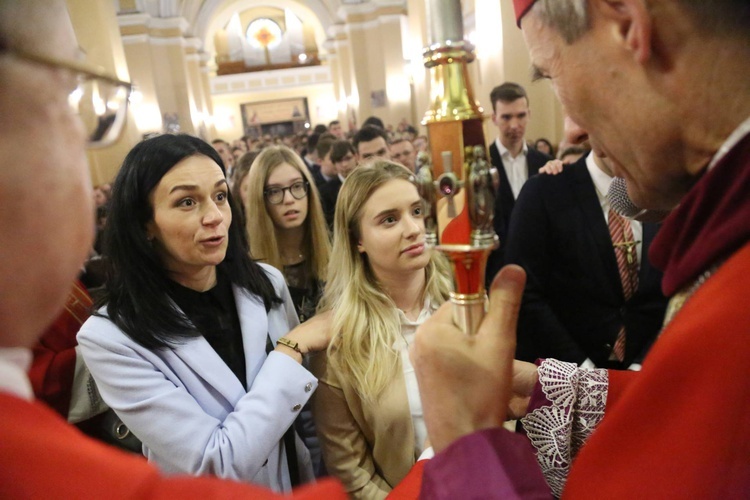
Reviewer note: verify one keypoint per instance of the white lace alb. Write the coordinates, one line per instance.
(557, 432)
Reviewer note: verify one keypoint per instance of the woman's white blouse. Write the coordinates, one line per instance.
(408, 329)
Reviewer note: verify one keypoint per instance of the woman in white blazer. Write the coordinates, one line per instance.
(185, 345)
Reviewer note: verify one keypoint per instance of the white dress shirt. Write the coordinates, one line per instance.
(14, 366)
(515, 168)
(735, 137)
(601, 183)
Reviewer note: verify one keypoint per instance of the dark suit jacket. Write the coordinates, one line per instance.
(504, 202)
(329, 193)
(314, 169)
(573, 304)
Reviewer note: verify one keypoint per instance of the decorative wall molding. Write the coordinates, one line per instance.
(169, 22)
(136, 19)
(155, 23)
(135, 39)
(270, 80)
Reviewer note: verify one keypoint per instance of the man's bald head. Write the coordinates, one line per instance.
(36, 25)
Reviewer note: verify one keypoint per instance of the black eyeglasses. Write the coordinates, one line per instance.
(99, 99)
(275, 195)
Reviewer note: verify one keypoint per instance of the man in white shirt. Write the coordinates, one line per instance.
(512, 157)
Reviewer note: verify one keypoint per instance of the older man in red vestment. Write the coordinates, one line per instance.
(46, 230)
(662, 85)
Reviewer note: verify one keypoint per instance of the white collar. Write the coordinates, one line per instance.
(14, 365)
(601, 179)
(427, 309)
(505, 151)
(731, 141)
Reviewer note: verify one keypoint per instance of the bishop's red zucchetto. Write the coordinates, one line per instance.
(522, 7)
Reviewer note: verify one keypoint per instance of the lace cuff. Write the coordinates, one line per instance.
(577, 397)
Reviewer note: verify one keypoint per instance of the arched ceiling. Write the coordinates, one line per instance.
(215, 14)
(205, 17)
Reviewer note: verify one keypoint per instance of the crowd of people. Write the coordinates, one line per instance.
(335, 233)
(276, 228)
(268, 311)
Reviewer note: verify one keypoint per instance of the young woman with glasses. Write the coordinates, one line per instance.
(287, 230)
(285, 224)
(383, 282)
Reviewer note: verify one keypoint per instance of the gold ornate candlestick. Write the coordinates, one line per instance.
(454, 119)
(469, 237)
(460, 223)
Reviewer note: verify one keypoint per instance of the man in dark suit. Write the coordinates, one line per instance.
(344, 158)
(574, 305)
(514, 160)
(310, 157)
(323, 171)
(369, 142)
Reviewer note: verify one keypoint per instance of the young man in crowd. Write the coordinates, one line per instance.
(514, 159)
(371, 141)
(403, 152)
(336, 129)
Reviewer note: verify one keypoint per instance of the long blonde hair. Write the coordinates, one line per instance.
(365, 322)
(264, 244)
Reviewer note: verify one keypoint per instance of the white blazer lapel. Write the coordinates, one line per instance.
(254, 326)
(203, 360)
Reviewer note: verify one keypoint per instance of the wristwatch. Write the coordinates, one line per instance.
(291, 344)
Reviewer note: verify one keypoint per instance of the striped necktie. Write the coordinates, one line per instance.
(627, 264)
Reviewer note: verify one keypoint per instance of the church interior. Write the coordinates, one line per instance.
(228, 68)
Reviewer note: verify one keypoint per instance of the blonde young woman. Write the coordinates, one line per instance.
(382, 283)
(285, 224)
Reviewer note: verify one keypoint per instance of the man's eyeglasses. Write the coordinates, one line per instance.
(100, 100)
(275, 195)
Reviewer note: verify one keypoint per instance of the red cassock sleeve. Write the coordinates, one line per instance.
(53, 366)
(681, 427)
(409, 487)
